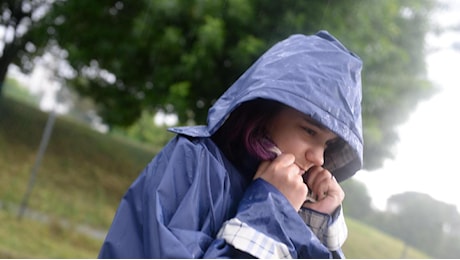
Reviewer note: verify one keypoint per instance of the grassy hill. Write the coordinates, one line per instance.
(80, 182)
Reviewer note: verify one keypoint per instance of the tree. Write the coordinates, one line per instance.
(423, 222)
(132, 56)
(357, 203)
(17, 18)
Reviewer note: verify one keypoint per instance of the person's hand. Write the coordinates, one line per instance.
(325, 189)
(286, 176)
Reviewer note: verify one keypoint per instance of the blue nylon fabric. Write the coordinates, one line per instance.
(177, 205)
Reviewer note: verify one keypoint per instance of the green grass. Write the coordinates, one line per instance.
(81, 180)
(367, 242)
(30, 239)
(83, 174)
(13, 89)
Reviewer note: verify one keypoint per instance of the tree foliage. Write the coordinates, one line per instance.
(132, 56)
(357, 203)
(417, 219)
(423, 222)
(17, 18)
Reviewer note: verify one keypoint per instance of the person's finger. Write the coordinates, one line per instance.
(322, 176)
(283, 174)
(312, 174)
(321, 189)
(285, 160)
(319, 182)
(281, 162)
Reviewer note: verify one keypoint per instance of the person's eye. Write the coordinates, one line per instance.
(309, 130)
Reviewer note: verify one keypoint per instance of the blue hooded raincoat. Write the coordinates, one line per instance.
(191, 202)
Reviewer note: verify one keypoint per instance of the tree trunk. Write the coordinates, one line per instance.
(3, 70)
(9, 52)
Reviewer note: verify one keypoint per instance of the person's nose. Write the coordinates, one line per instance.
(315, 155)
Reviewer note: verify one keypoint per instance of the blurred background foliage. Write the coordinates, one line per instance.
(179, 56)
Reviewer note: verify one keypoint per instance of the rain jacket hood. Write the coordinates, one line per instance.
(314, 74)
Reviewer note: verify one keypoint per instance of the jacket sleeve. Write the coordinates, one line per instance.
(174, 209)
(179, 205)
(331, 229)
(267, 226)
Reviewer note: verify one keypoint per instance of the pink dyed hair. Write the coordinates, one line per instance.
(245, 129)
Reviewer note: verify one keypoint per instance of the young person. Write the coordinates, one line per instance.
(261, 178)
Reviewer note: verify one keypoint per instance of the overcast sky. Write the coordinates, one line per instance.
(429, 142)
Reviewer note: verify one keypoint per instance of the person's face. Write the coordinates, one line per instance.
(298, 134)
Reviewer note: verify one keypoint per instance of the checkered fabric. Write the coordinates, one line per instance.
(249, 240)
(333, 236)
(338, 156)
